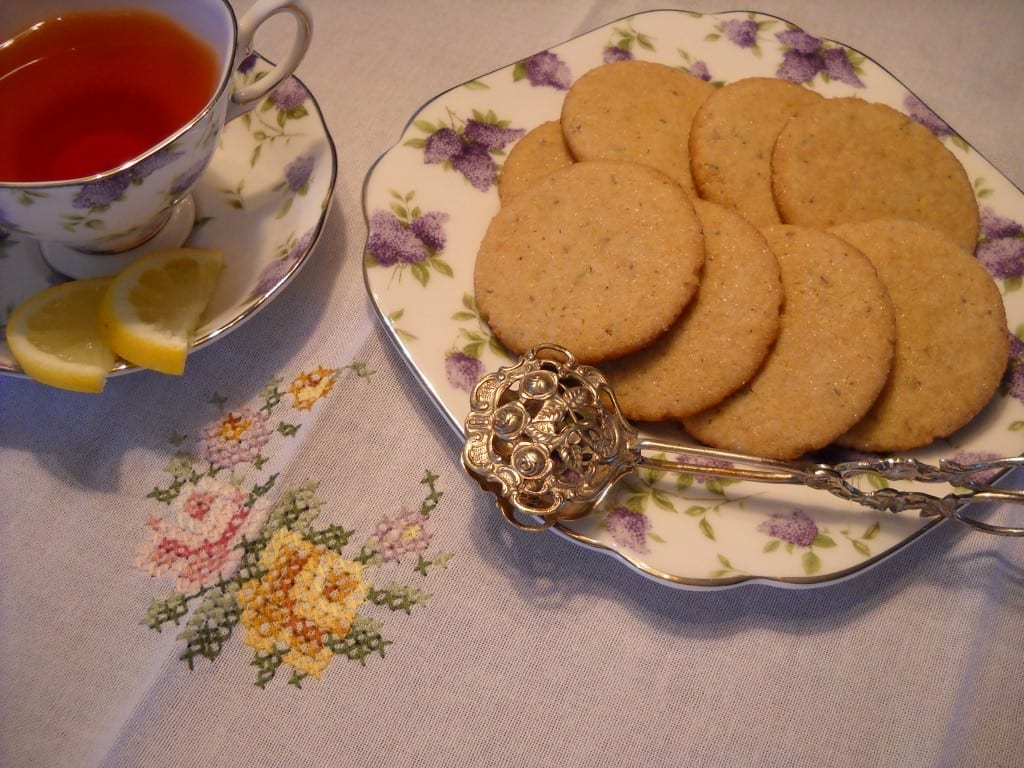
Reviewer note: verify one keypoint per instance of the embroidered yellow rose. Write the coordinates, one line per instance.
(307, 594)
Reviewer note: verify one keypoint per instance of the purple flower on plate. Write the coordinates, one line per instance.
(922, 114)
(298, 172)
(391, 242)
(492, 137)
(742, 33)
(629, 529)
(463, 371)
(967, 458)
(442, 145)
(615, 53)
(1014, 378)
(476, 164)
(546, 69)
(1001, 246)
(429, 228)
(700, 70)
(795, 528)
(99, 194)
(807, 56)
(702, 462)
(289, 95)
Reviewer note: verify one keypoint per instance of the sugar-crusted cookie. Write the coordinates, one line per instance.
(731, 142)
(951, 338)
(539, 152)
(635, 110)
(722, 337)
(600, 257)
(830, 360)
(845, 160)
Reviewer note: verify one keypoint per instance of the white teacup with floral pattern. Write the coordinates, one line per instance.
(95, 225)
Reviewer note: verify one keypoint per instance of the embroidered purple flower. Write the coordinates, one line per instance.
(546, 68)
(742, 33)
(1001, 249)
(614, 53)
(235, 438)
(463, 371)
(795, 528)
(807, 56)
(922, 114)
(700, 70)
(289, 95)
(402, 534)
(200, 544)
(1014, 379)
(629, 529)
(100, 194)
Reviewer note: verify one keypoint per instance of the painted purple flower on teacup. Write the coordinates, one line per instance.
(289, 97)
(543, 69)
(468, 147)
(795, 528)
(1001, 248)
(629, 529)
(97, 196)
(185, 181)
(462, 370)
(297, 176)
(807, 56)
(284, 105)
(407, 237)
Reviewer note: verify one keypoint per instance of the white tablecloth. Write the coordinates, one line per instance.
(484, 646)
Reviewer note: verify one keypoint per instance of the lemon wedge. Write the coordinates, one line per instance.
(150, 312)
(55, 336)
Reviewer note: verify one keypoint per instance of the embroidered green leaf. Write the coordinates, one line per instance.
(288, 430)
(423, 564)
(360, 641)
(170, 608)
(267, 663)
(334, 537)
(397, 597)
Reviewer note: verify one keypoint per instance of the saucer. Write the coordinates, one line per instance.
(262, 201)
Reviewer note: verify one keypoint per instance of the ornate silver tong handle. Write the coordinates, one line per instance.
(546, 437)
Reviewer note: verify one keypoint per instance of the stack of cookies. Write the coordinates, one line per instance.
(775, 270)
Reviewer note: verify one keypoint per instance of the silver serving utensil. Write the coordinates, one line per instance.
(546, 436)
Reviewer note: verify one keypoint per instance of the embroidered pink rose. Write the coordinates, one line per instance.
(200, 543)
(235, 438)
(401, 534)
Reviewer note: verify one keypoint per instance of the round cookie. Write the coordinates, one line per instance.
(635, 110)
(952, 343)
(731, 143)
(722, 337)
(844, 160)
(829, 363)
(539, 152)
(600, 257)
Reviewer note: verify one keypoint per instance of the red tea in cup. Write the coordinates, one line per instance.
(84, 92)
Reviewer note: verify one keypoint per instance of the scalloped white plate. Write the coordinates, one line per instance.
(262, 200)
(428, 201)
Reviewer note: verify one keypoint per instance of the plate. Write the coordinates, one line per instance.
(429, 199)
(262, 200)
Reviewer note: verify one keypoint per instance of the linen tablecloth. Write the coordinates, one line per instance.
(476, 644)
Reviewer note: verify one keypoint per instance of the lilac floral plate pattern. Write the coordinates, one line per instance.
(262, 201)
(429, 200)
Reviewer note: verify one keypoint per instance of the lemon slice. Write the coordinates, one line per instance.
(55, 336)
(153, 306)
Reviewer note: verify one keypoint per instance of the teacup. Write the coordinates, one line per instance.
(94, 223)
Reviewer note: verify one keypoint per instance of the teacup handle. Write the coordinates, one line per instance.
(244, 99)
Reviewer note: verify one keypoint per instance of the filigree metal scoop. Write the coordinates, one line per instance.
(547, 438)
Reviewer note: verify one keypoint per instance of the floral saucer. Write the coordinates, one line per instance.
(262, 201)
(429, 200)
